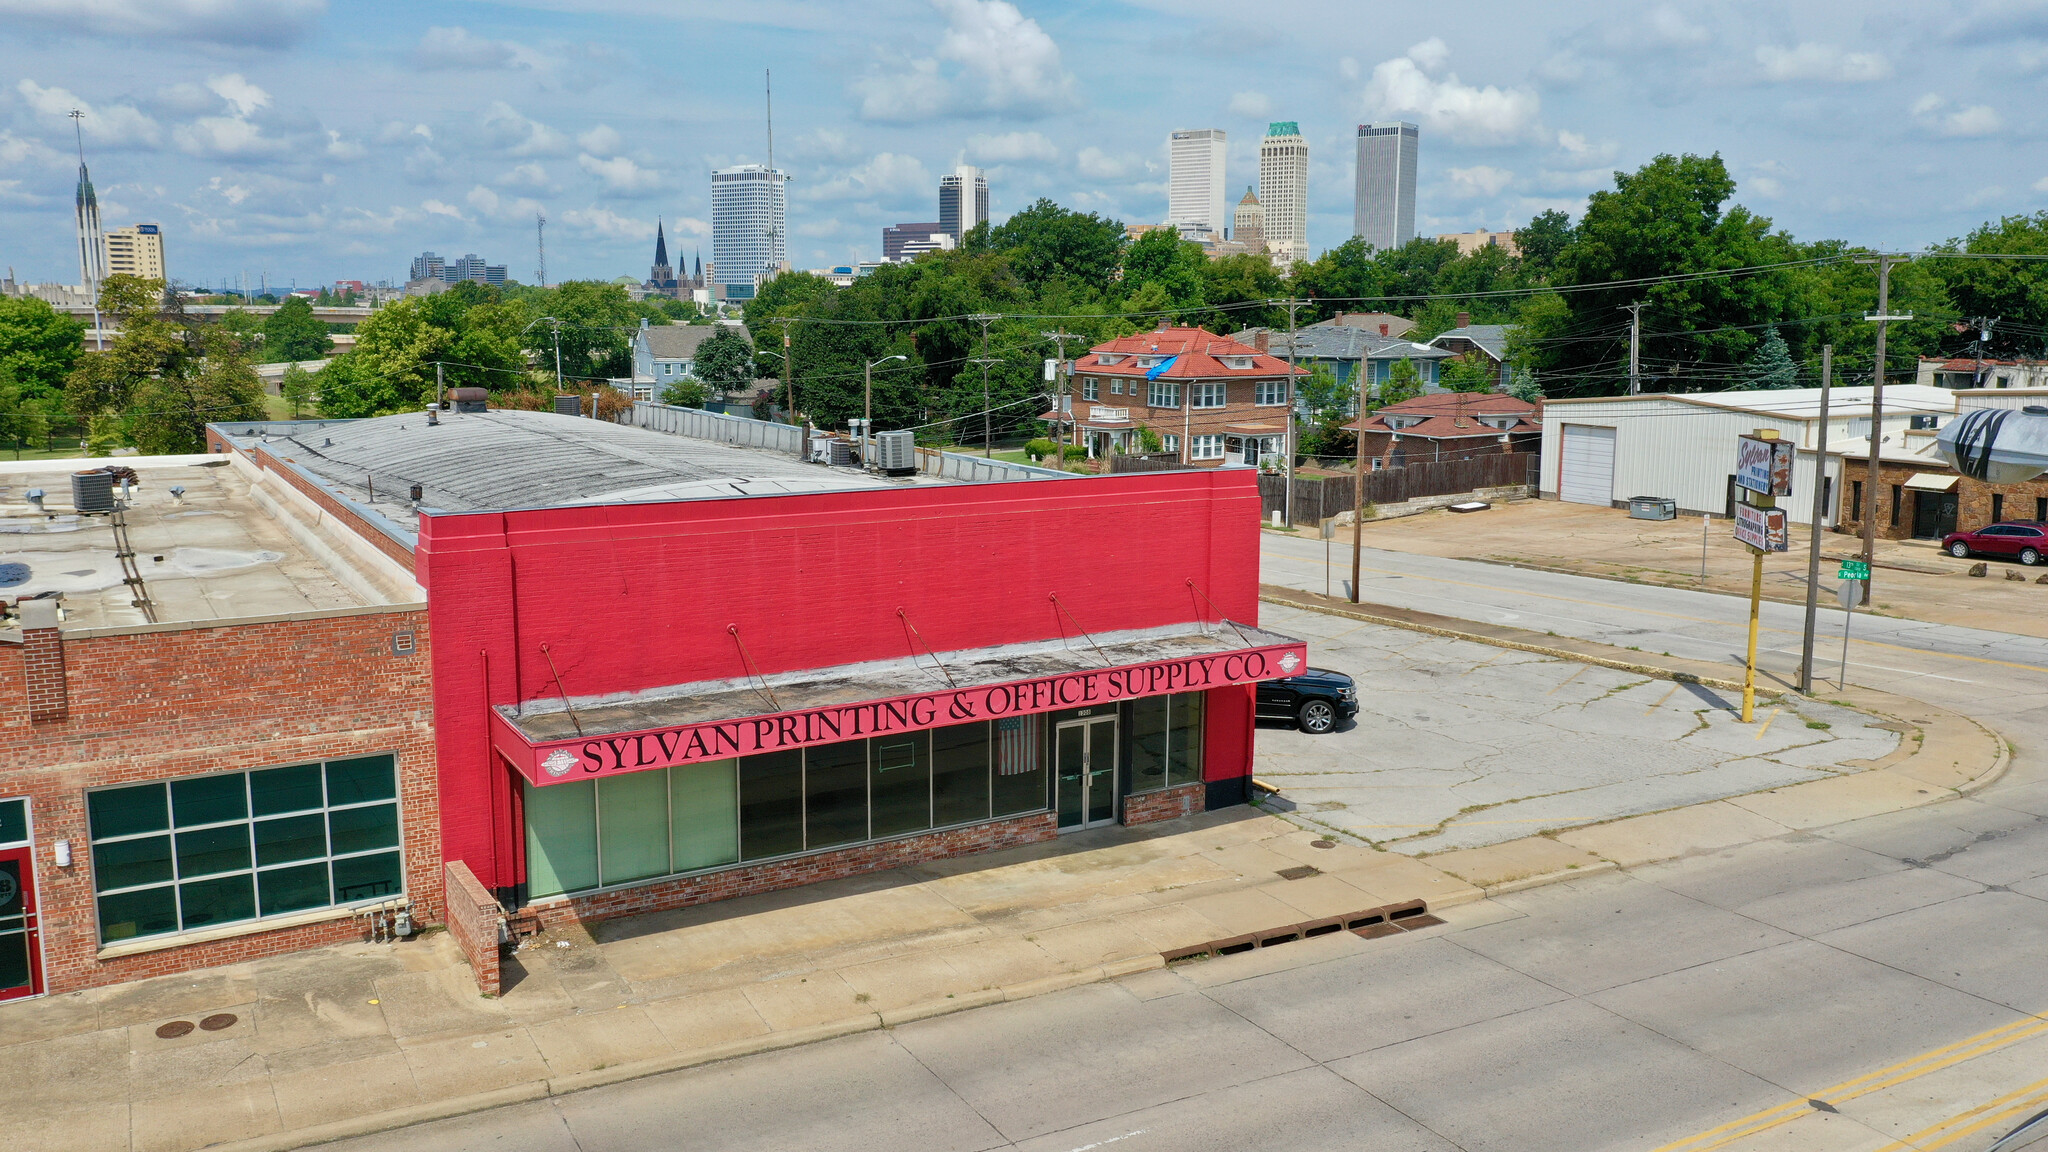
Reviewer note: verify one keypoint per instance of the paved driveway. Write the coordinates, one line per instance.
(1459, 745)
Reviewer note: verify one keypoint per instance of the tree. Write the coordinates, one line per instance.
(1771, 366)
(1543, 240)
(1161, 257)
(172, 410)
(390, 368)
(595, 322)
(296, 390)
(2013, 291)
(1522, 386)
(1046, 242)
(725, 361)
(1404, 382)
(1472, 372)
(293, 333)
(39, 346)
(686, 393)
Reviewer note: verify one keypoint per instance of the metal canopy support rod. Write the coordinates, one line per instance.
(919, 637)
(561, 691)
(1055, 598)
(1196, 588)
(753, 669)
(1820, 484)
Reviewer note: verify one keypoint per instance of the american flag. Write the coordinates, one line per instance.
(1016, 751)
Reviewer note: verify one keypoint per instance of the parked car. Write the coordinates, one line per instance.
(1317, 700)
(2025, 540)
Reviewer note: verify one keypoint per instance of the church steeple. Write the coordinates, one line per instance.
(660, 245)
(661, 278)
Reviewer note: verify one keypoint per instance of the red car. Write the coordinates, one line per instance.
(2026, 540)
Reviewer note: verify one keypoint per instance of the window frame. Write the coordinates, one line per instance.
(1091, 388)
(1200, 445)
(1203, 390)
(1277, 389)
(1163, 394)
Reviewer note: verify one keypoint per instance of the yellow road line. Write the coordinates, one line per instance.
(1679, 615)
(2018, 1100)
(1767, 723)
(1891, 1075)
(1661, 699)
(1570, 678)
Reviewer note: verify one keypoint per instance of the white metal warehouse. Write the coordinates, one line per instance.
(1605, 450)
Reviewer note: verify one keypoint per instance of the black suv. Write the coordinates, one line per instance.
(1317, 700)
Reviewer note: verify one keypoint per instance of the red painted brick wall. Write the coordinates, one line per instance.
(473, 915)
(635, 596)
(747, 881)
(159, 705)
(1166, 804)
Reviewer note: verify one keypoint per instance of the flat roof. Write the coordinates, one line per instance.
(1797, 403)
(503, 459)
(212, 553)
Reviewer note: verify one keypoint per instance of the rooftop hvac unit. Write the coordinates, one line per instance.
(568, 405)
(842, 453)
(896, 452)
(92, 491)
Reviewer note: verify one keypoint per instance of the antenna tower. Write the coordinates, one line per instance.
(540, 237)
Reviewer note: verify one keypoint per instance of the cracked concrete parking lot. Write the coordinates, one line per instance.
(1459, 745)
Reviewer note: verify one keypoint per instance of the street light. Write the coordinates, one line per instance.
(867, 406)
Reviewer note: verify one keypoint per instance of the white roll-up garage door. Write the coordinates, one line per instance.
(1587, 476)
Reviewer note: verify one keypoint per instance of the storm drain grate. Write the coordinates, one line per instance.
(1299, 872)
(1371, 924)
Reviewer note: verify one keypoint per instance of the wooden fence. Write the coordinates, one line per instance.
(1317, 499)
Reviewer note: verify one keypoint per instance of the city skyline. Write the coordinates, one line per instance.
(270, 138)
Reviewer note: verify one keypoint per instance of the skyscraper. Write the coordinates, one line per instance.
(1248, 223)
(92, 241)
(137, 250)
(1283, 191)
(956, 216)
(1194, 190)
(1383, 207)
(749, 234)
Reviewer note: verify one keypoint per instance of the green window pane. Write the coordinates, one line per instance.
(704, 814)
(836, 794)
(222, 900)
(14, 970)
(960, 774)
(13, 821)
(771, 804)
(210, 799)
(367, 877)
(149, 912)
(361, 829)
(126, 863)
(292, 889)
(900, 783)
(291, 838)
(1184, 742)
(632, 826)
(361, 779)
(1148, 743)
(293, 789)
(561, 838)
(211, 850)
(126, 811)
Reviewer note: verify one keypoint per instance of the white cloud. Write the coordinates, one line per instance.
(527, 175)
(342, 149)
(502, 209)
(1585, 151)
(2041, 185)
(506, 128)
(1001, 61)
(1011, 147)
(437, 208)
(1933, 112)
(1406, 87)
(1255, 105)
(889, 174)
(250, 23)
(620, 173)
(1093, 162)
(1668, 27)
(1768, 187)
(608, 224)
(1811, 61)
(1480, 180)
(243, 97)
(110, 124)
(603, 138)
(18, 151)
(456, 49)
(224, 136)
(232, 193)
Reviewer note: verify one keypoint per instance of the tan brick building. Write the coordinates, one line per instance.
(1209, 399)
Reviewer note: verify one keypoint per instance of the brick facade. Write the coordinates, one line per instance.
(1974, 500)
(159, 702)
(473, 919)
(1166, 804)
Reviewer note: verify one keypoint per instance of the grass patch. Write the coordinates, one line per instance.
(1819, 725)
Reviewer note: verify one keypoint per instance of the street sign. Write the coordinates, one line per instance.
(1764, 466)
(1850, 593)
(1854, 570)
(1762, 528)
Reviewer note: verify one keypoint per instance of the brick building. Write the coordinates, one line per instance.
(1209, 399)
(215, 728)
(1449, 426)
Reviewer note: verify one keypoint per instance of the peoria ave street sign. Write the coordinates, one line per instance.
(1762, 528)
(1764, 466)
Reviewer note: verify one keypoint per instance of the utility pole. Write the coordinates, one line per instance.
(987, 434)
(1883, 318)
(540, 237)
(558, 354)
(1287, 442)
(1983, 326)
(789, 373)
(1059, 390)
(1820, 507)
(1635, 346)
(1358, 486)
(440, 388)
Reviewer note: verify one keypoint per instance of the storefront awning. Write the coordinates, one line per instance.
(1932, 481)
(712, 720)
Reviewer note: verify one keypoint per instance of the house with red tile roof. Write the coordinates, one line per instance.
(1210, 399)
(1450, 426)
(1970, 372)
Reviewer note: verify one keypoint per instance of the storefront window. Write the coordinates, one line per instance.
(1019, 783)
(960, 774)
(702, 799)
(900, 784)
(632, 827)
(771, 805)
(561, 838)
(1184, 739)
(1166, 741)
(208, 850)
(836, 793)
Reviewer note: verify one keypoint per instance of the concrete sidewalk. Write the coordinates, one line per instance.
(363, 1038)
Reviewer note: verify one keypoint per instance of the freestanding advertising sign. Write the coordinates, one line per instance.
(1764, 466)
(1762, 528)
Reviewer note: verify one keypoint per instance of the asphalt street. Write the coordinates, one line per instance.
(1877, 982)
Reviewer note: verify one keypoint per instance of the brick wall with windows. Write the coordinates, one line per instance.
(1978, 505)
(189, 703)
(1211, 407)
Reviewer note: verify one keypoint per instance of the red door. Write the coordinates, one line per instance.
(21, 945)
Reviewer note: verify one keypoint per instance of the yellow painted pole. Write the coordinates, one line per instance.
(1756, 599)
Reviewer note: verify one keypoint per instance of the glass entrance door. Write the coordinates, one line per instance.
(21, 960)
(1085, 765)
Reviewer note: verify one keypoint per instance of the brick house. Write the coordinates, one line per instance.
(1210, 399)
(1489, 342)
(1920, 497)
(1449, 426)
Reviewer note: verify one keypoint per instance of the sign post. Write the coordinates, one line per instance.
(1763, 467)
(1854, 577)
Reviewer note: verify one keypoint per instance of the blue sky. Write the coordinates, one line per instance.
(316, 141)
